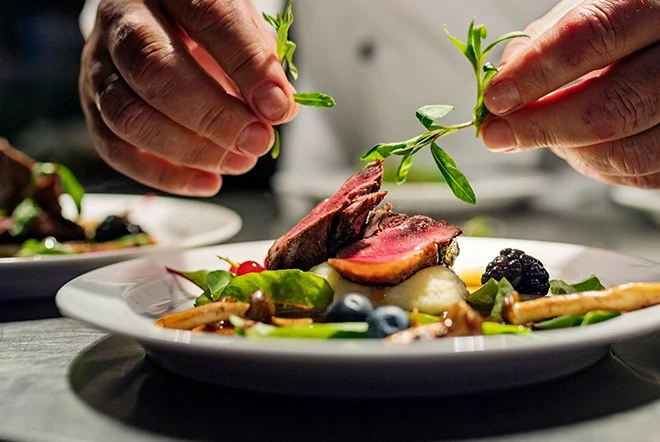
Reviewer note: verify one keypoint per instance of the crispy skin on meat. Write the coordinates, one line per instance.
(393, 254)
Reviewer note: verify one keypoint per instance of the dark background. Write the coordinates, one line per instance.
(40, 46)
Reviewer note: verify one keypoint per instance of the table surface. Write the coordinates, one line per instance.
(63, 381)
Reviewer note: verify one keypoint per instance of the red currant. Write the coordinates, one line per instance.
(248, 267)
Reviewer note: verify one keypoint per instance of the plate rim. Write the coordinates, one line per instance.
(186, 341)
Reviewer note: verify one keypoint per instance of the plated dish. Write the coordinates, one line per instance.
(166, 219)
(126, 298)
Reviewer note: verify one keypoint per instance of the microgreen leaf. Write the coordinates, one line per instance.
(283, 32)
(456, 181)
(428, 114)
(316, 99)
(285, 51)
(404, 168)
(275, 150)
(501, 38)
(71, 186)
(459, 44)
(23, 215)
(70, 183)
(288, 56)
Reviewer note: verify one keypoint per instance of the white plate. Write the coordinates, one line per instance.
(125, 298)
(175, 223)
(644, 200)
(492, 191)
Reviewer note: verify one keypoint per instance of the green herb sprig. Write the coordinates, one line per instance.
(70, 183)
(427, 116)
(285, 50)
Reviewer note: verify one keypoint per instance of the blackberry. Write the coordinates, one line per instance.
(525, 273)
(114, 227)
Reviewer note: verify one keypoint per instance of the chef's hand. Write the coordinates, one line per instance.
(177, 93)
(606, 124)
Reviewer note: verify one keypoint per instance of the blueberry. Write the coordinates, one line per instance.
(114, 227)
(352, 307)
(388, 320)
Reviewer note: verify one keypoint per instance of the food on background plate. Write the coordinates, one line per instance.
(354, 269)
(31, 218)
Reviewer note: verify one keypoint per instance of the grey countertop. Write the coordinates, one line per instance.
(63, 381)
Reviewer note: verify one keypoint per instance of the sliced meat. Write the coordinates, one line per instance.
(47, 192)
(393, 254)
(15, 176)
(334, 222)
(62, 229)
(351, 220)
(382, 219)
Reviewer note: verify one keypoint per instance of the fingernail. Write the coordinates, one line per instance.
(204, 184)
(498, 135)
(254, 140)
(271, 101)
(502, 97)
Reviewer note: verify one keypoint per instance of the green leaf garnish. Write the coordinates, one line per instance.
(47, 246)
(483, 299)
(504, 287)
(23, 215)
(565, 321)
(315, 99)
(403, 169)
(277, 145)
(456, 181)
(70, 183)
(495, 328)
(427, 115)
(289, 287)
(285, 51)
(71, 186)
(559, 287)
(340, 330)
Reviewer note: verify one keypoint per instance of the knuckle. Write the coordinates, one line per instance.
(211, 16)
(602, 26)
(541, 71)
(129, 116)
(215, 122)
(108, 13)
(151, 71)
(147, 60)
(624, 160)
(535, 133)
(630, 158)
(246, 59)
(622, 109)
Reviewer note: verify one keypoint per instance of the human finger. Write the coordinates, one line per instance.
(229, 31)
(159, 69)
(144, 167)
(536, 28)
(622, 101)
(590, 36)
(133, 120)
(638, 155)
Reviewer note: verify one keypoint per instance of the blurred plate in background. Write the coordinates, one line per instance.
(175, 223)
(644, 200)
(493, 191)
